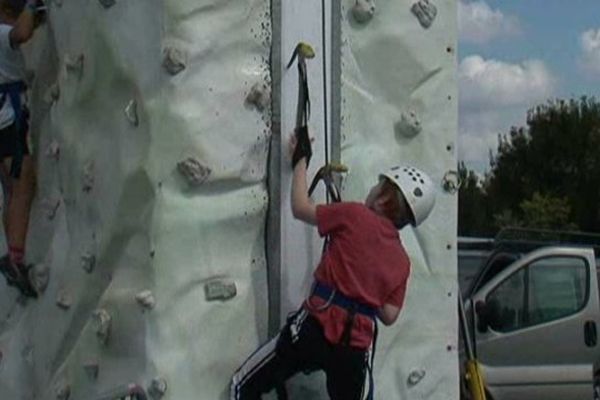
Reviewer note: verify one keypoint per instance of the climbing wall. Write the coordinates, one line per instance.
(151, 133)
(162, 168)
(399, 107)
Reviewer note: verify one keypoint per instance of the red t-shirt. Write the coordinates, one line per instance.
(365, 261)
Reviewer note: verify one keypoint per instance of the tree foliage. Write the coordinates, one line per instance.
(544, 175)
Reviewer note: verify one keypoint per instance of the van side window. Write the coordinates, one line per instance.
(546, 290)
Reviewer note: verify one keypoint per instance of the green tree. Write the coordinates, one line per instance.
(546, 174)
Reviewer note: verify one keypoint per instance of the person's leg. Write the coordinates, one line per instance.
(292, 351)
(19, 207)
(346, 371)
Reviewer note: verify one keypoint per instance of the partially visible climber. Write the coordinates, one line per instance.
(362, 277)
(18, 20)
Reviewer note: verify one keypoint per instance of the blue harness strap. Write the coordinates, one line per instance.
(13, 91)
(332, 296)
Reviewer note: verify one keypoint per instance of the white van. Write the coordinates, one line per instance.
(534, 317)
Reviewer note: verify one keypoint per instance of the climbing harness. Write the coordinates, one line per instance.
(12, 92)
(352, 307)
(126, 392)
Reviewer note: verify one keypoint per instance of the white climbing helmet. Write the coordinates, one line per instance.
(417, 188)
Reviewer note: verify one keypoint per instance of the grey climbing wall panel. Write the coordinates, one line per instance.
(151, 132)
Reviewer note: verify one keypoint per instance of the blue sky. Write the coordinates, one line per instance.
(514, 54)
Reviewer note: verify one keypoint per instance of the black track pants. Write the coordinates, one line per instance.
(301, 347)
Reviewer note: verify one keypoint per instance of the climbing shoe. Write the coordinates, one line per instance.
(18, 275)
(10, 271)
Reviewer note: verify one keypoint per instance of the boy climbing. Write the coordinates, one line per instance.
(18, 20)
(362, 277)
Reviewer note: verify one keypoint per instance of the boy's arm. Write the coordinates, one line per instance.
(388, 314)
(302, 206)
(23, 29)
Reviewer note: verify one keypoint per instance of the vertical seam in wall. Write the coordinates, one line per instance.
(336, 80)
(273, 229)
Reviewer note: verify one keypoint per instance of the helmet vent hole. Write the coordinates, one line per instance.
(418, 192)
(397, 176)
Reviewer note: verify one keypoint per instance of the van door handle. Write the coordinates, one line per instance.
(590, 334)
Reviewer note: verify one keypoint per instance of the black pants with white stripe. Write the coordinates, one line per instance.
(301, 347)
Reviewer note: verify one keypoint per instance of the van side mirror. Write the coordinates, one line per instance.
(482, 312)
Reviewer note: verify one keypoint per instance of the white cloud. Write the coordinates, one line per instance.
(590, 48)
(478, 23)
(493, 97)
(492, 83)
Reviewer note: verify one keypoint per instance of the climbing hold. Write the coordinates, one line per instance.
(174, 61)
(131, 113)
(75, 65)
(51, 207)
(363, 10)
(39, 276)
(415, 377)
(63, 299)
(259, 96)
(53, 150)
(102, 323)
(88, 262)
(157, 388)
(220, 290)
(146, 299)
(92, 369)
(107, 3)
(88, 177)
(409, 125)
(194, 172)
(52, 94)
(63, 391)
(425, 11)
(451, 182)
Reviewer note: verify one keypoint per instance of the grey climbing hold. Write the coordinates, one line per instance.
(39, 276)
(363, 11)
(146, 299)
(63, 299)
(157, 388)
(52, 94)
(103, 323)
(194, 172)
(107, 3)
(409, 125)
(88, 262)
(259, 96)
(131, 113)
(53, 150)
(220, 290)
(175, 60)
(92, 369)
(425, 11)
(451, 182)
(51, 206)
(75, 65)
(415, 377)
(63, 391)
(88, 177)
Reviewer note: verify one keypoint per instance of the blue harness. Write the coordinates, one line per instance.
(12, 91)
(332, 296)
